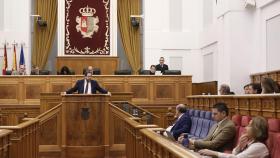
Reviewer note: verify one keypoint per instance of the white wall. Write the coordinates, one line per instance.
(241, 36)
(171, 29)
(16, 27)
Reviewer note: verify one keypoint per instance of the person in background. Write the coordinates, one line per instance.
(21, 70)
(88, 69)
(182, 124)
(87, 86)
(221, 134)
(35, 70)
(152, 69)
(65, 71)
(251, 143)
(225, 90)
(161, 66)
(268, 86)
(255, 88)
(246, 89)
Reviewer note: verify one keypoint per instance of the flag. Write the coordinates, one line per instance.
(14, 59)
(21, 58)
(5, 63)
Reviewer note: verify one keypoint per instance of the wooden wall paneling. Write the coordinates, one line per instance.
(9, 93)
(13, 114)
(60, 84)
(24, 140)
(5, 143)
(117, 129)
(256, 78)
(50, 132)
(149, 90)
(85, 125)
(266, 105)
(107, 65)
(32, 87)
(49, 100)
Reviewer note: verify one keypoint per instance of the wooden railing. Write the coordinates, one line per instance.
(50, 131)
(266, 105)
(24, 139)
(136, 111)
(5, 143)
(154, 145)
(12, 114)
(275, 75)
(118, 118)
(132, 137)
(205, 88)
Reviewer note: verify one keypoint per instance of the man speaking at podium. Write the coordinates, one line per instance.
(87, 86)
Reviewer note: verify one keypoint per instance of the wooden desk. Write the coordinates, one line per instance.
(266, 105)
(147, 90)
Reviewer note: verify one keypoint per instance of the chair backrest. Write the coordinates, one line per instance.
(8, 72)
(191, 112)
(96, 71)
(199, 127)
(172, 72)
(245, 120)
(194, 125)
(196, 113)
(123, 72)
(205, 128)
(208, 115)
(44, 72)
(202, 114)
(273, 133)
(144, 72)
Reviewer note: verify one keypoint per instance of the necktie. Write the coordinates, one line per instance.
(86, 91)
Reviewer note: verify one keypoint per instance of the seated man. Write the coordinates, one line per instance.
(225, 90)
(89, 69)
(152, 69)
(87, 86)
(183, 123)
(255, 88)
(35, 70)
(221, 134)
(21, 71)
(161, 66)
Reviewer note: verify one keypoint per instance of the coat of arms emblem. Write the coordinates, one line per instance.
(87, 23)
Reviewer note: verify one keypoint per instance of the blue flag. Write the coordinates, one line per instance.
(21, 60)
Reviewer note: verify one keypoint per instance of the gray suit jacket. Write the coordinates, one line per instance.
(219, 140)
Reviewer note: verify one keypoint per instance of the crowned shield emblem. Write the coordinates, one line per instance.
(87, 23)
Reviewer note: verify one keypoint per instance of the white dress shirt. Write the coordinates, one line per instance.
(89, 87)
(254, 150)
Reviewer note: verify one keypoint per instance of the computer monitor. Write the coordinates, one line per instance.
(172, 72)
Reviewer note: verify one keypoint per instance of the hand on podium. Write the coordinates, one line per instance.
(109, 93)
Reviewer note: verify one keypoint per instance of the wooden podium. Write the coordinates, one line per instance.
(85, 125)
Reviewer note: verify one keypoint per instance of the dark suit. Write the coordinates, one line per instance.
(79, 86)
(161, 68)
(183, 125)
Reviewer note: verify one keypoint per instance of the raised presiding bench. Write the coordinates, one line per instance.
(146, 90)
(266, 105)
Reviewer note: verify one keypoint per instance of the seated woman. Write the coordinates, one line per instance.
(268, 85)
(251, 143)
(65, 71)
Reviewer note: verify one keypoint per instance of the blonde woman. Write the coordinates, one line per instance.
(251, 143)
